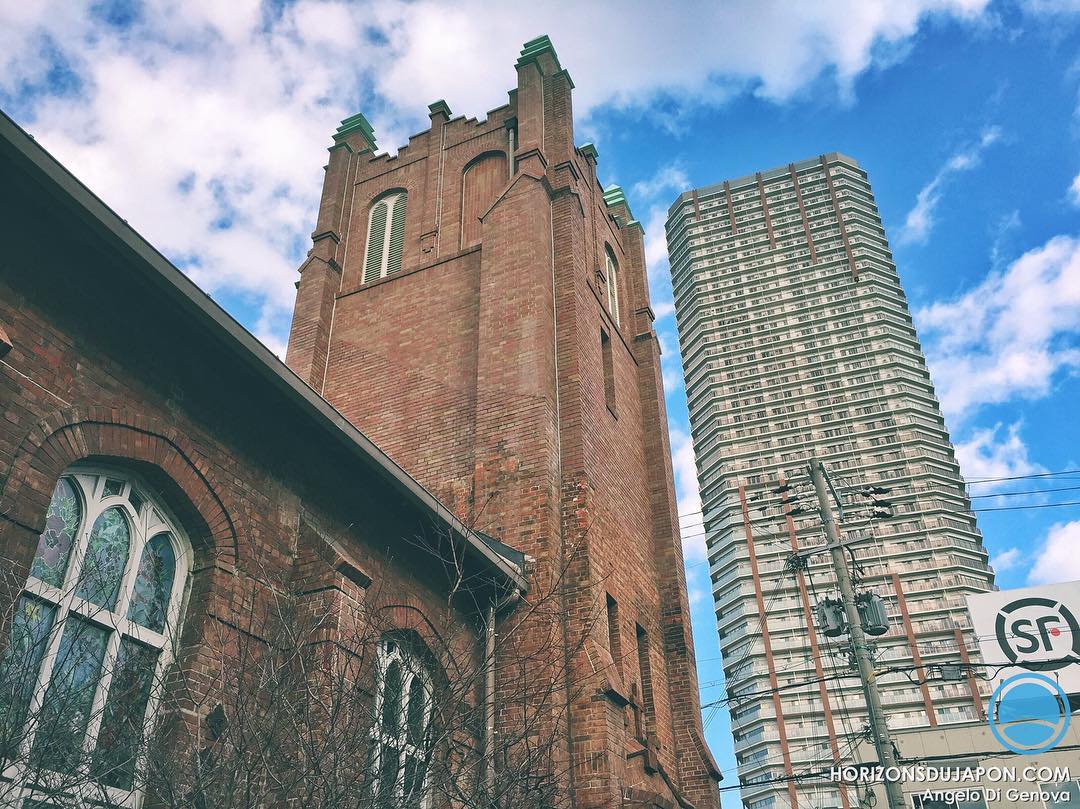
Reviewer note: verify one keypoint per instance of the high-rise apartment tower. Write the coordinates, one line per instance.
(478, 306)
(797, 340)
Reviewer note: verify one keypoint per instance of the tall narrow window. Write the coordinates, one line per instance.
(612, 269)
(401, 736)
(614, 641)
(645, 671)
(91, 636)
(609, 370)
(386, 237)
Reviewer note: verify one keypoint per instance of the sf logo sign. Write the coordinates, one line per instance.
(1039, 634)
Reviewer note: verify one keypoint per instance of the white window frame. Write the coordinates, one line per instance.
(612, 284)
(151, 520)
(393, 211)
(411, 667)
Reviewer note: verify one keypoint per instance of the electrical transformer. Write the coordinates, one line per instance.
(830, 618)
(872, 615)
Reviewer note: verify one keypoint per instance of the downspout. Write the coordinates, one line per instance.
(489, 688)
(511, 148)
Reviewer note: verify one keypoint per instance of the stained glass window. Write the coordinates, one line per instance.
(401, 733)
(106, 557)
(90, 656)
(136, 499)
(54, 544)
(153, 583)
(121, 726)
(19, 667)
(65, 713)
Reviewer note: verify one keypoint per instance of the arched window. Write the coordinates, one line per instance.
(401, 738)
(612, 267)
(91, 635)
(386, 237)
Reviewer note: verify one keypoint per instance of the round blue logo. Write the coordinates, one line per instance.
(1029, 713)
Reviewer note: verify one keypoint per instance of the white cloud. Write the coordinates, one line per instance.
(201, 129)
(696, 595)
(671, 362)
(1074, 191)
(1008, 559)
(988, 455)
(1009, 336)
(663, 308)
(656, 260)
(1057, 559)
(671, 177)
(1052, 6)
(629, 57)
(656, 254)
(686, 487)
(202, 122)
(920, 219)
(1003, 229)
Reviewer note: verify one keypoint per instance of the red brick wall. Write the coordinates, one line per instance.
(403, 370)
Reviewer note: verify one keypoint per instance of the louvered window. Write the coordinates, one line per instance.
(612, 286)
(386, 237)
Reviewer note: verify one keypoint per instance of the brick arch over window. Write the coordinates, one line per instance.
(481, 179)
(404, 614)
(158, 452)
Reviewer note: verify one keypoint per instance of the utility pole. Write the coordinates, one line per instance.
(878, 729)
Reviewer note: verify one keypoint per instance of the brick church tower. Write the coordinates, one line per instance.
(478, 306)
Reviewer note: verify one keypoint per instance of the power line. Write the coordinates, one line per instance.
(1025, 477)
(1063, 472)
(764, 692)
(1032, 491)
(975, 510)
(1026, 508)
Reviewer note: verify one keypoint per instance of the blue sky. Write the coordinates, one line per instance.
(203, 124)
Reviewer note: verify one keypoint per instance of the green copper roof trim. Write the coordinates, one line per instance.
(534, 47)
(439, 106)
(613, 195)
(589, 150)
(356, 123)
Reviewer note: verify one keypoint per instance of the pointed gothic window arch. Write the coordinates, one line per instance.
(481, 180)
(92, 634)
(612, 271)
(385, 236)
